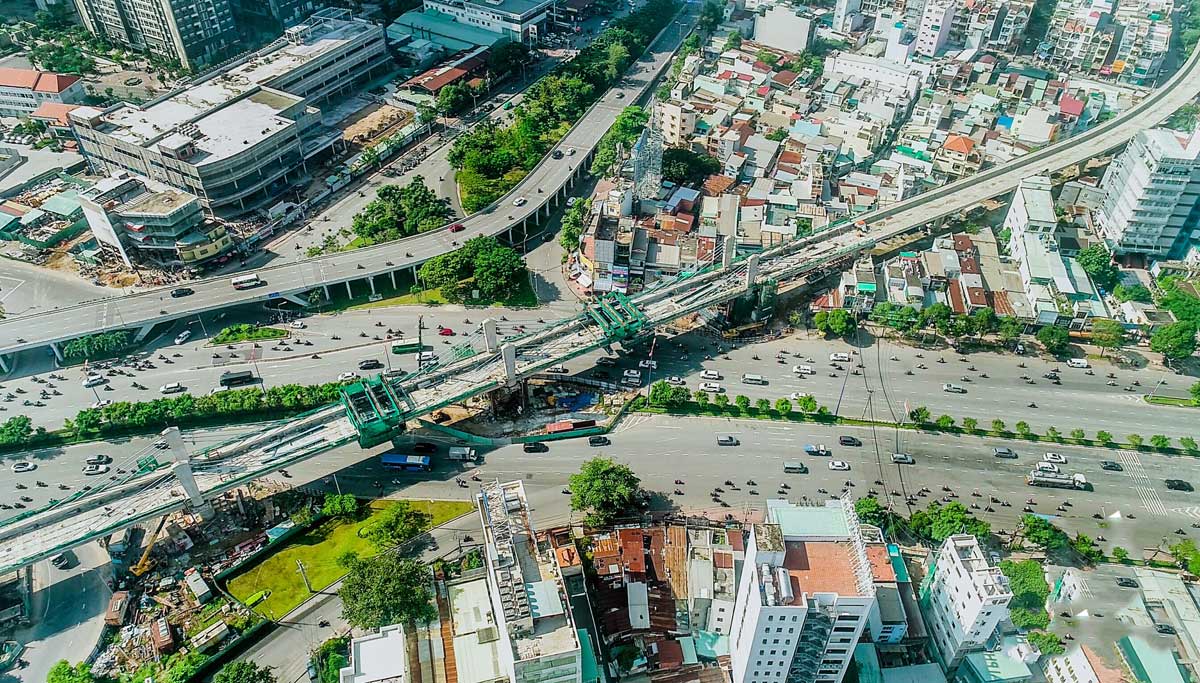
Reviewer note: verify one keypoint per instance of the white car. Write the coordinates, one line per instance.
(183, 337)
(632, 374)
(172, 388)
(570, 151)
(519, 201)
(99, 459)
(1055, 457)
(298, 325)
(798, 395)
(92, 470)
(711, 387)
(648, 364)
(102, 403)
(94, 381)
(839, 465)
(19, 467)
(348, 376)
(710, 374)
(571, 201)
(675, 381)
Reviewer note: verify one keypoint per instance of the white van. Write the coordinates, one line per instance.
(462, 454)
(94, 381)
(839, 357)
(426, 356)
(1077, 363)
(802, 369)
(902, 459)
(557, 369)
(753, 379)
(1047, 467)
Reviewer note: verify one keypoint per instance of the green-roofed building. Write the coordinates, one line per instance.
(1151, 664)
(993, 667)
(443, 29)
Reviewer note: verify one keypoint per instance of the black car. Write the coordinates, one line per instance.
(424, 447)
(1165, 629)
(369, 364)
(534, 447)
(598, 441)
(1179, 485)
(849, 441)
(1126, 582)
(557, 154)
(1111, 466)
(182, 291)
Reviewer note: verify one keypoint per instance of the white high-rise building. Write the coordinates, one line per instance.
(538, 642)
(965, 598)
(934, 29)
(805, 595)
(1151, 195)
(847, 15)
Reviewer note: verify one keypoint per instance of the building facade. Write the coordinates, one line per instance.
(22, 91)
(194, 33)
(1145, 40)
(240, 138)
(805, 596)
(1080, 37)
(935, 26)
(1151, 194)
(964, 599)
(521, 21)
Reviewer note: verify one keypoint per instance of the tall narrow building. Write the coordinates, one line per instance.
(1151, 195)
(964, 599)
(194, 33)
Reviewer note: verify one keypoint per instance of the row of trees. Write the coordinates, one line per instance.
(573, 224)
(663, 395)
(401, 212)
(492, 159)
(100, 345)
(922, 416)
(481, 264)
(935, 523)
(945, 321)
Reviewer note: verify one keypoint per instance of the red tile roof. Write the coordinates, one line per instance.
(736, 541)
(54, 112)
(633, 554)
(670, 654)
(723, 560)
(40, 81)
(960, 144)
(1070, 106)
(956, 298)
(785, 77)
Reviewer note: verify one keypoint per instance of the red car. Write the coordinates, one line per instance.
(457, 227)
(445, 332)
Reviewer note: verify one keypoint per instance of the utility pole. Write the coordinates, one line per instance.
(303, 575)
(420, 342)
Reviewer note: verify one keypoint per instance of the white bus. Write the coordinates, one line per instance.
(245, 281)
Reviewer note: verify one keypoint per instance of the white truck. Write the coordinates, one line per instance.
(462, 454)
(1057, 480)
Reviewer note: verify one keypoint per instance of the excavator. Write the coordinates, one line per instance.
(144, 564)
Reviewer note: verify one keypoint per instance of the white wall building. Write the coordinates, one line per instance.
(904, 78)
(967, 598)
(934, 30)
(24, 90)
(521, 21)
(805, 596)
(784, 27)
(1032, 208)
(1071, 667)
(847, 15)
(677, 121)
(538, 640)
(1151, 194)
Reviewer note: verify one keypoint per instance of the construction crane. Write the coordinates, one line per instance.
(143, 564)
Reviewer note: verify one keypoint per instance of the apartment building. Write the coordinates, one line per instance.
(805, 596)
(1151, 194)
(241, 137)
(1145, 39)
(785, 27)
(677, 121)
(1079, 38)
(22, 91)
(537, 639)
(194, 33)
(521, 21)
(152, 222)
(935, 26)
(964, 599)
(958, 157)
(994, 25)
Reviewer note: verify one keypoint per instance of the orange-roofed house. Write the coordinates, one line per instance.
(54, 115)
(22, 91)
(958, 157)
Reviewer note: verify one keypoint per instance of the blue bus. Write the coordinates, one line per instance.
(405, 463)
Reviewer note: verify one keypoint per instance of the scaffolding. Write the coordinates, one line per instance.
(647, 160)
(618, 317)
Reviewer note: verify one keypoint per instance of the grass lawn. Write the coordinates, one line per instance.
(241, 333)
(319, 550)
(1171, 401)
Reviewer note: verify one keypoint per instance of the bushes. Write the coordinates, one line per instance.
(481, 264)
(246, 332)
(99, 345)
(1027, 609)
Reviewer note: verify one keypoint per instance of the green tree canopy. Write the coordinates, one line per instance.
(667, 396)
(1108, 334)
(481, 263)
(399, 523)
(1097, 263)
(1055, 339)
(605, 490)
(386, 589)
(401, 212)
(1175, 341)
(1042, 533)
(685, 167)
(64, 672)
(244, 672)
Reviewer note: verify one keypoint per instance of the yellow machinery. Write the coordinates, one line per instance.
(143, 564)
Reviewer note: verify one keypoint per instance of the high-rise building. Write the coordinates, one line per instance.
(806, 594)
(538, 642)
(192, 32)
(937, 21)
(964, 599)
(1151, 195)
(243, 136)
(846, 15)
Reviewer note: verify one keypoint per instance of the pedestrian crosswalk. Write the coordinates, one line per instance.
(1192, 511)
(1142, 484)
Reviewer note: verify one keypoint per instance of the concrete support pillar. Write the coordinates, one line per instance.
(4, 366)
(371, 282)
(392, 273)
(728, 251)
(489, 335)
(509, 353)
(58, 352)
(142, 333)
(751, 269)
(326, 288)
(349, 291)
(181, 467)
